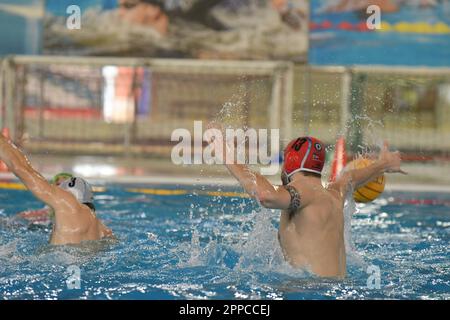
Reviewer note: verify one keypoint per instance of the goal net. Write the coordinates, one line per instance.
(103, 105)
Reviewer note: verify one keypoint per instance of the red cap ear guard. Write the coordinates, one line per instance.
(304, 154)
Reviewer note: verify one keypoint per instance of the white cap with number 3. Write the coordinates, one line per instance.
(80, 188)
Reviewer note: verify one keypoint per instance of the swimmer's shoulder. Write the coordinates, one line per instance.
(335, 191)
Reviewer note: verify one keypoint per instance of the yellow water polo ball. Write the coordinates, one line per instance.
(372, 189)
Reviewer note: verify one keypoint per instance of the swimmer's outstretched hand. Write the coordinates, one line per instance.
(391, 160)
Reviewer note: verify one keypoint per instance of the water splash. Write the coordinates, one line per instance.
(353, 256)
(261, 247)
(252, 246)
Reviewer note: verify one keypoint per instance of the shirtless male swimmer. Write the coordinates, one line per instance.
(311, 231)
(72, 200)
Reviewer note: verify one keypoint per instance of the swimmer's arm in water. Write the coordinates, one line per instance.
(35, 182)
(387, 162)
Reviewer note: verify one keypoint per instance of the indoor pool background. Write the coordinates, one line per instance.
(197, 246)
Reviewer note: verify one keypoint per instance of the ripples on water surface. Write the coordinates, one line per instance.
(201, 247)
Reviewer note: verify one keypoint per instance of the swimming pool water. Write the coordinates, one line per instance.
(195, 246)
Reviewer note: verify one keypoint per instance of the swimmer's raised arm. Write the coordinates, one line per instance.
(387, 162)
(18, 163)
(256, 185)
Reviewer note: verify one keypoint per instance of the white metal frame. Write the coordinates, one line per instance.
(281, 71)
(280, 110)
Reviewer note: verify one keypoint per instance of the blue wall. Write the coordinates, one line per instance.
(20, 33)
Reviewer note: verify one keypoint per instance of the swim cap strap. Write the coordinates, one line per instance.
(305, 157)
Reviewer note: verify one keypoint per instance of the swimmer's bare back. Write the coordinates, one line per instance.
(76, 225)
(312, 236)
(74, 221)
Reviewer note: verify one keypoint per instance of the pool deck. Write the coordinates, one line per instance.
(131, 171)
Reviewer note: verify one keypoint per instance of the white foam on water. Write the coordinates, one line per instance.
(261, 247)
(8, 250)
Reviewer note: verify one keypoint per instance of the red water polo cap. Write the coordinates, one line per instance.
(304, 154)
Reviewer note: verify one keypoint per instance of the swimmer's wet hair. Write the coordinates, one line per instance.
(90, 205)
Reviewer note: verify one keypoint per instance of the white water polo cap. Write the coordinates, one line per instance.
(79, 188)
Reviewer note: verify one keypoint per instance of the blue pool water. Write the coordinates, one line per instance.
(195, 246)
(338, 47)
